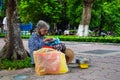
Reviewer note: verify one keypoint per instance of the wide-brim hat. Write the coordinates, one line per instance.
(69, 55)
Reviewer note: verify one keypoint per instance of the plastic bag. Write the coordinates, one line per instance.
(49, 61)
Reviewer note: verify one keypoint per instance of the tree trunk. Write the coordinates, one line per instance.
(13, 48)
(86, 17)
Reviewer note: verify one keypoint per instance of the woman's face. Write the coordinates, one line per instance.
(43, 31)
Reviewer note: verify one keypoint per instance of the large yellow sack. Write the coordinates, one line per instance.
(49, 61)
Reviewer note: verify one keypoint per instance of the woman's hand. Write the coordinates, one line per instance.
(48, 39)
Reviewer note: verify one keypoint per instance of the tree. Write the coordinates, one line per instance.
(105, 13)
(2, 8)
(105, 16)
(13, 48)
(86, 17)
(34, 10)
(73, 11)
(111, 12)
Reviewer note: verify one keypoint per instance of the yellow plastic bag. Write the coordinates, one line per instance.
(49, 61)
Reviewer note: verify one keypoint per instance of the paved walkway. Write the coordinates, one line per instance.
(105, 64)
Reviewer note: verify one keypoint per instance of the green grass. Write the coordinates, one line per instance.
(15, 64)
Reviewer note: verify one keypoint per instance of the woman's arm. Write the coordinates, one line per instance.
(35, 43)
(48, 39)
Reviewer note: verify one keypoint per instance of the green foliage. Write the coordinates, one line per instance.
(2, 35)
(2, 9)
(112, 15)
(109, 10)
(107, 39)
(34, 10)
(74, 11)
(17, 64)
(22, 36)
(72, 32)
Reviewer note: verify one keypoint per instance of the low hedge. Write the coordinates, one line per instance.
(23, 36)
(2, 35)
(108, 39)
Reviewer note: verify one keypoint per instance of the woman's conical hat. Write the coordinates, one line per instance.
(69, 54)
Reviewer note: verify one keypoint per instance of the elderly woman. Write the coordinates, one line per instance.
(37, 39)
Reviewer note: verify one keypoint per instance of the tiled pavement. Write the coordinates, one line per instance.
(105, 64)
